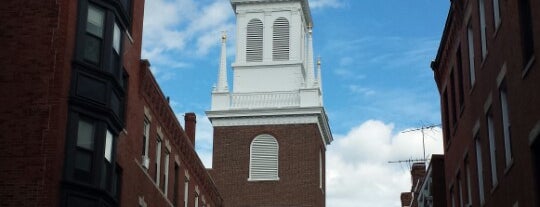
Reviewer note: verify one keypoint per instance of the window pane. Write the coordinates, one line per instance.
(85, 135)
(95, 21)
(116, 38)
(83, 161)
(108, 146)
(92, 48)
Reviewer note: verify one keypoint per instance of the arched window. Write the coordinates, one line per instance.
(254, 41)
(280, 46)
(263, 160)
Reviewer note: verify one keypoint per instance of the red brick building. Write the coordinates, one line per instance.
(488, 76)
(84, 122)
(432, 192)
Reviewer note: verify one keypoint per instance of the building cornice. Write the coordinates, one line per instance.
(281, 116)
(305, 6)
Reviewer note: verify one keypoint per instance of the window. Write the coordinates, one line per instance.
(482, 13)
(452, 197)
(470, 39)
(264, 158)
(506, 126)
(496, 13)
(459, 67)
(492, 149)
(101, 40)
(535, 150)
(166, 173)
(446, 114)
(254, 42)
(186, 190)
(158, 160)
(527, 42)
(196, 199)
(480, 169)
(460, 189)
(468, 180)
(84, 150)
(94, 160)
(107, 166)
(280, 48)
(146, 137)
(116, 47)
(452, 95)
(176, 184)
(94, 34)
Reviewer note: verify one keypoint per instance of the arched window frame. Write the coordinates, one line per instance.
(265, 147)
(281, 39)
(254, 40)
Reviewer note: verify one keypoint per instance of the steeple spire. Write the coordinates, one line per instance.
(310, 66)
(319, 77)
(222, 74)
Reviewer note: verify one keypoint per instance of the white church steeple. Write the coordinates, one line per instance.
(274, 65)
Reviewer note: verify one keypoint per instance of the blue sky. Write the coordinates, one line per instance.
(376, 77)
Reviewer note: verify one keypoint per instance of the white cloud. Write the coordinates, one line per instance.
(356, 89)
(183, 28)
(358, 172)
(317, 4)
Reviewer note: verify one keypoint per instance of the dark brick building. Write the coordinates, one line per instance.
(84, 122)
(488, 76)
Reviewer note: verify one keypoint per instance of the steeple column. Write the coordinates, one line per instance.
(310, 67)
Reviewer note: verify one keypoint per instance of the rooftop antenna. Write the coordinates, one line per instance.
(423, 159)
(423, 139)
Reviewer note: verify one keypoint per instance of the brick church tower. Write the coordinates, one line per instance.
(270, 128)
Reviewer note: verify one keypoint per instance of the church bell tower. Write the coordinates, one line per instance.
(270, 127)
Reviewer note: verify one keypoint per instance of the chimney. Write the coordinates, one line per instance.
(418, 171)
(190, 120)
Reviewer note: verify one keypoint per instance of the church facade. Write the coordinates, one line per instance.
(270, 127)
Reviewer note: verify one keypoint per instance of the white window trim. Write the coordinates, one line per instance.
(186, 189)
(482, 13)
(492, 150)
(479, 167)
(470, 41)
(496, 14)
(166, 172)
(264, 137)
(158, 160)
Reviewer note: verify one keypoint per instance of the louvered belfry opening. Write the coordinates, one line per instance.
(254, 46)
(263, 163)
(280, 48)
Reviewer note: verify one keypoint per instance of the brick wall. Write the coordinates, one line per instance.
(37, 44)
(299, 147)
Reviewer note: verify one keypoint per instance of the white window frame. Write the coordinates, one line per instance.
(146, 137)
(470, 41)
(281, 34)
(469, 187)
(506, 127)
(186, 189)
(479, 167)
(256, 38)
(158, 159)
(496, 14)
(482, 14)
(166, 172)
(271, 159)
(492, 150)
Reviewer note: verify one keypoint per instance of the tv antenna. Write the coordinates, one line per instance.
(421, 129)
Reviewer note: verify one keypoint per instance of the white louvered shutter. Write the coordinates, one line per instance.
(254, 46)
(264, 158)
(280, 47)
